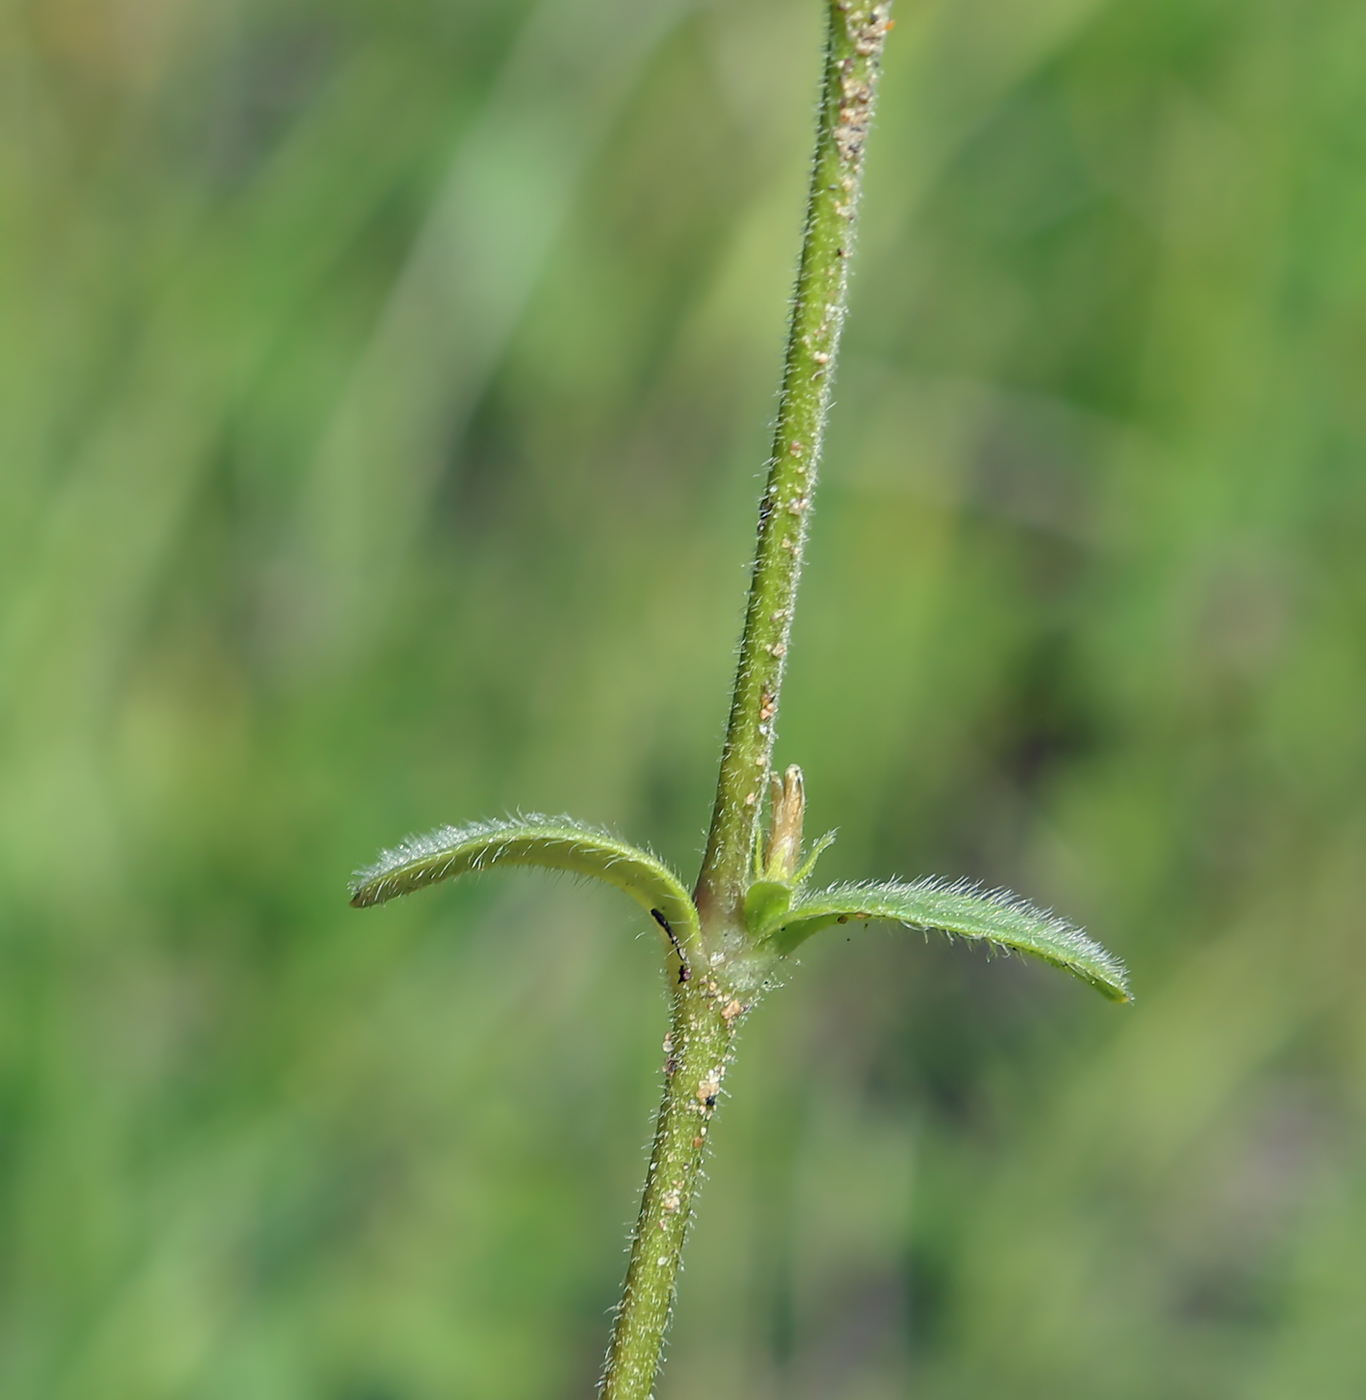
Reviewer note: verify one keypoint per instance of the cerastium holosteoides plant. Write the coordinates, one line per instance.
(725, 944)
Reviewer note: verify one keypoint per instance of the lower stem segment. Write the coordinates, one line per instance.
(698, 1050)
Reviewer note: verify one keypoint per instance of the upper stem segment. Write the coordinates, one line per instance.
(856, 35)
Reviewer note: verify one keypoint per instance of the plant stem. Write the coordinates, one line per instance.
(698, 1051)
(708, 1008)
(854, 46)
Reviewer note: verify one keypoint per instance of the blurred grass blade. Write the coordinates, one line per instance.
(556, 843)
(996, 916)
(492, 226)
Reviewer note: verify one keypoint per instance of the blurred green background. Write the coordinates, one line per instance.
(385, 386)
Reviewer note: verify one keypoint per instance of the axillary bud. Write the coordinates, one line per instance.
(788, 801)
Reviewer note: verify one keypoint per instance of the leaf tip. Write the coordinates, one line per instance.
(363, 890)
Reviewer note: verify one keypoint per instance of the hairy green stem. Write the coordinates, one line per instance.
(710, 1004)
(697, 1052)
(854, 46)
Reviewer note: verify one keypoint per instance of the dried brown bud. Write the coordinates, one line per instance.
(785, 834)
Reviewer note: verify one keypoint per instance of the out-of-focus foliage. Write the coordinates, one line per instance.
(384, 388)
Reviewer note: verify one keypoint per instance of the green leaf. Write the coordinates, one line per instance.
(556, 843)
(996, 916)
(809, 864)
(766, 902)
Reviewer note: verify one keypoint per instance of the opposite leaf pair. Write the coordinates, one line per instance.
(780, 916)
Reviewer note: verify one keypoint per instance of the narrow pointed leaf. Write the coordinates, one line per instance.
(964, 910)
(809, 864)
(556, 843)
